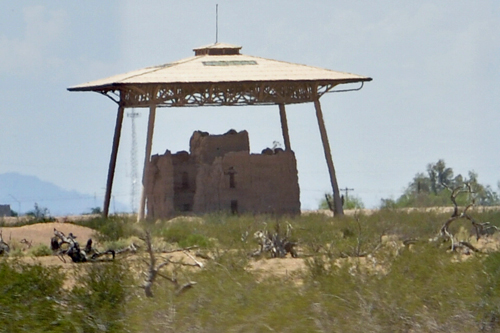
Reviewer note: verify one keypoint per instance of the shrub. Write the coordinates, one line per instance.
(177, 232)
(29, 298)
(111, 228)
(98, 302)
(195, 239)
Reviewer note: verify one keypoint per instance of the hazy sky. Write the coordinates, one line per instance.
(435, 67)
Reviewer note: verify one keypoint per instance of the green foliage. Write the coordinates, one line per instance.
(351, 202)
(96, 210)
(98, 302)
(490, 304)
(177, 232)
(423, 290)
(40, 250)
(214, 230)
(195, 239)
(228, 298)
(432, 189)
(29, 298)
(112, 228)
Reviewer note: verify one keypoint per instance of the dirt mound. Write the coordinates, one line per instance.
(41, 233)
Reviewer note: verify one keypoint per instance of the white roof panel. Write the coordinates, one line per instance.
(221, 68)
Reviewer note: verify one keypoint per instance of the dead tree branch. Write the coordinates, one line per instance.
(361, 242)
(483, 229)
(67, 245)
(27, 242)
(480, 228)
(154, 271)
(276, 244)
(4, 247)
(329, 201)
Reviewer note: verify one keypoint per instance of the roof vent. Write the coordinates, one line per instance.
(217, 49)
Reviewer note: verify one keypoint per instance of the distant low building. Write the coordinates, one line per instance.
(220, 174)
(4, 210)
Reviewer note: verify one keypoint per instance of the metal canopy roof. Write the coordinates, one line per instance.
(219, 75)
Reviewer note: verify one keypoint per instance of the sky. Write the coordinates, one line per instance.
(435, 67)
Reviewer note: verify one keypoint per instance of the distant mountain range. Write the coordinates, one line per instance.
(21, 192)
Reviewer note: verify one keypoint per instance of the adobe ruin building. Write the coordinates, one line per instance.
(220, 174)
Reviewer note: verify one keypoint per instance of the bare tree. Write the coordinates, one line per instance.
(154, 270)
(480, 228)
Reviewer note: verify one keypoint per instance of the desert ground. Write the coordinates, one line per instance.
(32, 235)
(35, 234)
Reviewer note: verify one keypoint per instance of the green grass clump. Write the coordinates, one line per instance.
(112, 228)
(40, 250)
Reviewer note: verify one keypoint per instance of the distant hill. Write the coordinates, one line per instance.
(21, 192)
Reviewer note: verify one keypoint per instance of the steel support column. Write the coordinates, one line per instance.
(147, 159)
(337, 203)
(284, 127)
(112, 160)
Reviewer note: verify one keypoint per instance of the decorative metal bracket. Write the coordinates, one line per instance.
(218, 94)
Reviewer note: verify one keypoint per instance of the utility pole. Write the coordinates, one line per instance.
(346, 190)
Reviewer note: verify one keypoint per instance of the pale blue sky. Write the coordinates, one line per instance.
(435, 65)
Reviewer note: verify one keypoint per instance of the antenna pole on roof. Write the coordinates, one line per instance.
(216, 23)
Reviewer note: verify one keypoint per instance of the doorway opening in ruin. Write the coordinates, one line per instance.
(232, 183)
(234, 206)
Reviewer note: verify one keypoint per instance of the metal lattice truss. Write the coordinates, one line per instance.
(217, 94)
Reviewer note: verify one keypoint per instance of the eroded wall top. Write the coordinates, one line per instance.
(206, 147)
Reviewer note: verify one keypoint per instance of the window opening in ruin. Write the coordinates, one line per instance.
(232, 182)
(234, 206)
(186, 207)
(185, 180)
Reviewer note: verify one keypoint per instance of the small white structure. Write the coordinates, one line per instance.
(4, 210)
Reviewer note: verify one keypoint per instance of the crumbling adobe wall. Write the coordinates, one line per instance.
(219, 174)
(159, 186)
(205, 148)
(261, 184)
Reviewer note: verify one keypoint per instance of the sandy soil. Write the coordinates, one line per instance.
(41, 233)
